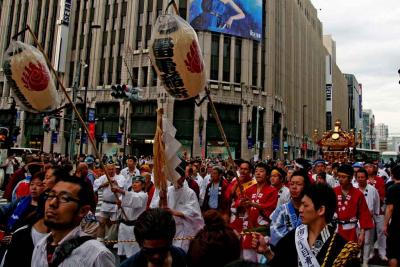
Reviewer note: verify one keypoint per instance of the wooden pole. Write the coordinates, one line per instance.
(75, 110)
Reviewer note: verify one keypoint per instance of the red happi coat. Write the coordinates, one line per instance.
(267, 198)
(353, 207)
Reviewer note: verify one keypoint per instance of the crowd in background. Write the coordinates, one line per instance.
(213, 215)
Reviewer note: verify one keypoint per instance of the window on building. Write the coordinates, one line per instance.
(226, 71)
(121, 36)
(135, 73)
(148, 35)
(101, 71)
(119, 69)
(107, 12)
(124, 9)
(113, 34)
(26, 8)
(214, 57)
(105, 36)
(115, 10)
(110, 70)
(238, 60)
(153, 81)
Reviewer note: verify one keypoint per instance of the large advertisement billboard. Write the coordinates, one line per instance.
(236, 17)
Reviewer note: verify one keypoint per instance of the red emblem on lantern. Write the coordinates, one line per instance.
(193, 60)
(35, 77)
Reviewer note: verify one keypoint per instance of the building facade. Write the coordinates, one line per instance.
(355, 102)
(336, 87)
(276, 84)
(368, 132)
(382, 135)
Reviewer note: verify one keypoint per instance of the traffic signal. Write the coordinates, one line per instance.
(3, 134)
(125, 92)
(46, 124)
(117, 91)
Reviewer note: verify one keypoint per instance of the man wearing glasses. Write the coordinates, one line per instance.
(67, 245)
(351, 207)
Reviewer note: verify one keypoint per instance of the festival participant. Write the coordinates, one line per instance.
(379, 184)
(154, 232)
(352, 207)
(215, 193)
(184, 206)
(130, 171)
(67, 245)
(313, 243)
(392, 219)
(319, 167)
(372, 198)
(24, 240)
(19, 212)
(277, 181)
(190, 179)
(133, 204)
(149, 187)
(321, 178)
(286, 217)
(91, 174)
(33, 166)
(260, 201)
(108, 209)
(235, 193)
(214, 245)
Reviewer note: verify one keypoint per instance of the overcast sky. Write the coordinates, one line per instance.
(367, 35)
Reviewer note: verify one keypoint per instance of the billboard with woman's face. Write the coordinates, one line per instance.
(236, 17)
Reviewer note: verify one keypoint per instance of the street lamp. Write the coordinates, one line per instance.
(259, 108)
(75, 88)
(304, 146)
(84, 117)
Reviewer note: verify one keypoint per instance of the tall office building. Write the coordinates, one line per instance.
(271, 76)
(382, 135)
(336, 87)
(355, 102)
(368, 133)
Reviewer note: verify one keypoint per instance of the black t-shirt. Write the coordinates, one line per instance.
(393, 198)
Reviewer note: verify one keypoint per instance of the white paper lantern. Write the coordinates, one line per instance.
(176, 56)
(30, 79)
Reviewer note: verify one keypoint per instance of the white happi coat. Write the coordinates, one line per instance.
(133, 204)
(184, 200)
(108, 195)
(372, 198)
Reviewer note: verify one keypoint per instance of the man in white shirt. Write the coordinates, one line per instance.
(108, 209)
(184, 206)
(130, 171)
(277, 179)
(67, 245)
(320, 166)
(373, 202)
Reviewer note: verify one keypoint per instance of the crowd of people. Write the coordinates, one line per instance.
(217, 213)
